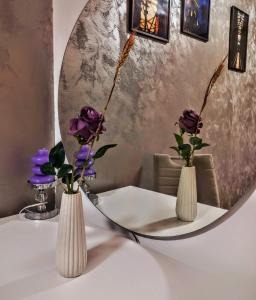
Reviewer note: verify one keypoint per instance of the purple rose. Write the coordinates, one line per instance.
(79, 128)
(190, 122)
(86, 125)
(92, 117)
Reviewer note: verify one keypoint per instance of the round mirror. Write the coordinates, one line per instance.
(137, 182)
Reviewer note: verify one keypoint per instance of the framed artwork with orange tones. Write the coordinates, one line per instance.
(151, 18)
(238, 36)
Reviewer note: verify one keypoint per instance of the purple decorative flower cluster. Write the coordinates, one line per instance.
(190, 121)
(82, 156)
(40, 158)
(86, 125)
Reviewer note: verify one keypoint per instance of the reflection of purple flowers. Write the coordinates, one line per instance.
(190, 122)
(187, 140)
(82, 156)
(86, 125)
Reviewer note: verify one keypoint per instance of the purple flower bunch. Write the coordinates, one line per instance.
(86, 128)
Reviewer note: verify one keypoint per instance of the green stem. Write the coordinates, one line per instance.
(192, 152)
(73, 171)
(85, 163)
(68, 186)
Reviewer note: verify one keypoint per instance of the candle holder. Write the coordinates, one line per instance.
(42, 209)
(41, 184)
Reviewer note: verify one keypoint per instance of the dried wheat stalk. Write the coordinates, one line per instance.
(122, 59)
(212, 82)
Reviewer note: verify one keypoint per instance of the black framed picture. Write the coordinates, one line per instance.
(151, 18)
(195, 18)
(238, 38)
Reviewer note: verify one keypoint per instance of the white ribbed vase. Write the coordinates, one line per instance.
(71, 252)
(186, 205)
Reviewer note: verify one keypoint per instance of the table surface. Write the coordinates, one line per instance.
(219, 264)
(152, 214)
(117, 268)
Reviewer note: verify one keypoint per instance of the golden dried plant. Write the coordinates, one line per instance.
(122, 59)
(212, 82)
(125, 52)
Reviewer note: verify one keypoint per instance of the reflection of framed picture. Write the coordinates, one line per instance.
(238, 36)
(195, 18)
(151, 18)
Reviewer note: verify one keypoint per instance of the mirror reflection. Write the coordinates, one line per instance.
(175, 115)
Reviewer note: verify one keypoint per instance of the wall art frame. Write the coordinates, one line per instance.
(151, 18)
(238, 40)
(195, 19)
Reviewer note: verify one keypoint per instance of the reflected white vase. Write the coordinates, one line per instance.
(71, 251)
(186, 205)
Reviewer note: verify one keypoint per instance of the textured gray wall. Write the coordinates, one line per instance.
(157, 83)
(26, 98)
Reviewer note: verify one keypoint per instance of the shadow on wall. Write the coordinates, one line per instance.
(26, 97)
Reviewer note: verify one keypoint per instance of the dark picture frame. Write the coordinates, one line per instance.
(238, 40)
(195, 19)
(151, 18)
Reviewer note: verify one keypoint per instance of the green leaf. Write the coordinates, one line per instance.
(179, 139)
(64, 170)
(203, 145)
(101, 151)
(64, 179)
(194, 140)
(176, 149)
(182, 131)
(57, 155)
(77, 174)
(48, 169)
(185, 147)
(185, 150)
(77, 177)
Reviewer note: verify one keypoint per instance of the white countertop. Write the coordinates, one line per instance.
(150, 213)
(117, 268)
(217, 265)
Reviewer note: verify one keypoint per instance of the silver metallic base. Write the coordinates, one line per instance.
(42, 216)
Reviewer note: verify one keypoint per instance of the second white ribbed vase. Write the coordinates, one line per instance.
(71, 252)
(186, 205)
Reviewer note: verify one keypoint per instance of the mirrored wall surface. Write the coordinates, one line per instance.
(137, 181)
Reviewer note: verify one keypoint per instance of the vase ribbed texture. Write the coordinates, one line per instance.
(186, 206)
(71, 252)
